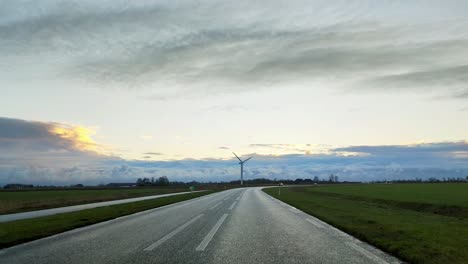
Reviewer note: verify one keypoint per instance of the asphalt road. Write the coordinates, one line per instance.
(234, 226)
(66, 209)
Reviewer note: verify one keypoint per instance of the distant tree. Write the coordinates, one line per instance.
(162, 181)
(18, 186)
(335, 178)
(143, 181)
(316, 179)
(331, 178)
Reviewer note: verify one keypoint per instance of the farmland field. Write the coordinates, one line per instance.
(21, 201)
(420, 223)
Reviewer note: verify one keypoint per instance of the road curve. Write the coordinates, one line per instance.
(73, 208)
(234, 226)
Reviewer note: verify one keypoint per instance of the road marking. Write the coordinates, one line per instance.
(367, 253)
(171, 234)
(211, 234)
(232, 205)
(294, 210)
(216, 205)
(314, 223)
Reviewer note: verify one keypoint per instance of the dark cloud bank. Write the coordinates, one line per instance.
(31, 153)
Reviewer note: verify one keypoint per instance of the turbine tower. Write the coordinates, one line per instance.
(241, 162)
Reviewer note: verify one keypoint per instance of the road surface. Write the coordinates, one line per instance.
(234, 226)
(66, 209)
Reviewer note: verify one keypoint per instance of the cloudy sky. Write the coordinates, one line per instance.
(112, 90)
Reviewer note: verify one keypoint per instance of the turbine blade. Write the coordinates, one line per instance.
(237, 157)
(247, 159)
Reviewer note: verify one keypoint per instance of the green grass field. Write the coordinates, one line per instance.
(17, 232)
(21, 201)
(419, 223)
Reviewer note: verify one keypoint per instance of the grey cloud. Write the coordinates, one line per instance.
(187, 49)
(153, 153)
(302, 148)
(264, 59)
(439, 155)
(30, 142)
(428, 148)
(20, 129)
(462, 94)
(271, 145)
(25, 135)
(453, 78)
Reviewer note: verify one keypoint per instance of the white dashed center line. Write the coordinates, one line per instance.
(216, 205)
(232, 205)
(211, 234)
(171, 234)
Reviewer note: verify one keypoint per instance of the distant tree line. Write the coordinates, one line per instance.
(164, 181)
(331, 179)
(161, 181)
(18, 186)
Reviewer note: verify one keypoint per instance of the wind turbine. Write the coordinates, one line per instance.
(241, 162)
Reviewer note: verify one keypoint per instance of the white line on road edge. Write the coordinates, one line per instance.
(211, 234)
(314, 223)
(232, 205)
(171, 234)
(294, 210)
(367, 253)
(216, 205)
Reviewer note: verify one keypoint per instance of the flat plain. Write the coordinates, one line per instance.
(419, 223)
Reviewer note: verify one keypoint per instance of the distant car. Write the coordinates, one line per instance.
(280, 184)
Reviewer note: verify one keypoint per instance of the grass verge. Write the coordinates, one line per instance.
(17, 232)
(413, 231)
(29, 200)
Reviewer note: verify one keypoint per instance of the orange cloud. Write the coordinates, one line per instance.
(80, 138)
